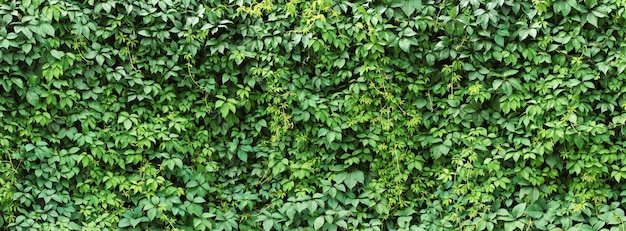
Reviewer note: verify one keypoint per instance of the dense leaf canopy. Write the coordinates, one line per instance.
(312, 114)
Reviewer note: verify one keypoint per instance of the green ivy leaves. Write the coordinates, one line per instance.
(350, 179)
(325, 115)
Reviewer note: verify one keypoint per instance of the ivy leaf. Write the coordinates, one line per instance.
(57, 54)
(496, 84)
(410, 6)
(128, 124)
(26, 4)
(430, 59)
(243, 156)
(518, 210)
(353, 178)
(47, 28)
(32, 97)
(18, 82)
(124, 223)
(224, 111)
(301, 206)
(27, 47)
(135, 221)
(405, 45)
(100, 59)
(509, 72)
(592, 19)
(268, 224)
(339, 63)
(319, 222)
(152, 213)
(499, 40)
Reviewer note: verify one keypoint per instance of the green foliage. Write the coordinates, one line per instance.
(312, 115)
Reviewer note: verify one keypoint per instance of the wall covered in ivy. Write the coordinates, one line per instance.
(312, 115)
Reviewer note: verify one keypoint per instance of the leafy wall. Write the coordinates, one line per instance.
(301, 115)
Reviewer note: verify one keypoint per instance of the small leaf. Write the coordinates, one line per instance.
(410, 6)
(224, 110)
(430, 59)
(243, 156)
(358, 175)
(566, 9)
(496, 84)
(100, 59)
(267, 224)
(330, 137)
(350, 182)
(592, 19)
(518, 210)
(152, 213)
(339, 63)
(499, 40)
(572, 118)
(124, 223)
(319, 222)
(32, 97)
(191, 184)
(444, 149)
(405, 45)
(301, 206)
(57, 54)
(27, 47)
(26, 4)
(48, 29)
(18, 82)
(509, 72)
(128, 124)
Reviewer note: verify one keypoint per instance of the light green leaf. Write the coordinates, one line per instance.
(5, 43)
(499, 40)
(243, 156)
(128, 124)
(592, 19)
(124, 223)
(430, 59)
(443, 149)
(405, 45)
(32, 97)
(268, 224)
(47, 29)
(350, 182)
(319, 222)
(224, 111)
(518, 210)
(135, 222)
(358, 176)
(26, 3)
(331, 137)
(27, 47)
(509, 72)
(339, 63)
(100, 59)
(57, 54)
(18, 82)
(496, 84)
(410, 6)
(572, 118)
(152, 213)
(353, 178)
(340, 177)
(301, 206)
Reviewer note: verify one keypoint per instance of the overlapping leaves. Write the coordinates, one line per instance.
(294, 115)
